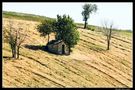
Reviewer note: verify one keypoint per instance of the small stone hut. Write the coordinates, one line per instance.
(58, 47)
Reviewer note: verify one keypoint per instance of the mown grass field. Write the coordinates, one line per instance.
(89, 65)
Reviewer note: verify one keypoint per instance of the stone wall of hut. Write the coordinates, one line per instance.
(57, 48)
(53, 48)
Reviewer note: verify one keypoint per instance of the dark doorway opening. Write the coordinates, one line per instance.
(63, 49)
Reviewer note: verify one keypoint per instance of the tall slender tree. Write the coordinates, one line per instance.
(87, 10)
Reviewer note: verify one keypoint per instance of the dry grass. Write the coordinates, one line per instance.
(89, 65)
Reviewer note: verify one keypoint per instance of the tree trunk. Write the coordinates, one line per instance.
(85, 24)
(108, 44)
(69, 50)
(108, 39)
(48, 38)
(18, 48)
(14, 52)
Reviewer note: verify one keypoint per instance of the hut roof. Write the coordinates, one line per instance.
(55, 42)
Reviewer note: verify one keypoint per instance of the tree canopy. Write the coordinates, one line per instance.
(46, 27)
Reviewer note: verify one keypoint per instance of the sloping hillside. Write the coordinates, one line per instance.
(24, 16)
(89, 65)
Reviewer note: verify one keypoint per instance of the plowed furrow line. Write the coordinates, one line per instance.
(63, 64)
(114, 66)
(14, 83)
(105, 74)
(42, 76)
(120, 44)
(103, 42)
(113, 57)
(111, 67)
(86, 71)
(125, 49)
(90, 39)
(114, 70)
(121, 40)
(44, 65)
(53, 69)
(121, 37)
(11, 84)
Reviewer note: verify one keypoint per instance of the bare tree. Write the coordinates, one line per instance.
(107, 31)
(16, 36)
(20, 39)
(12, 39)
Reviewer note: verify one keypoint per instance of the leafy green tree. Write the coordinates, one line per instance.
(72, 38)
(66, 30)
(87, 10)
(46, 27)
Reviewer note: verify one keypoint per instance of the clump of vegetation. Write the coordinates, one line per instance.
(89, 27)
(64, 27)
